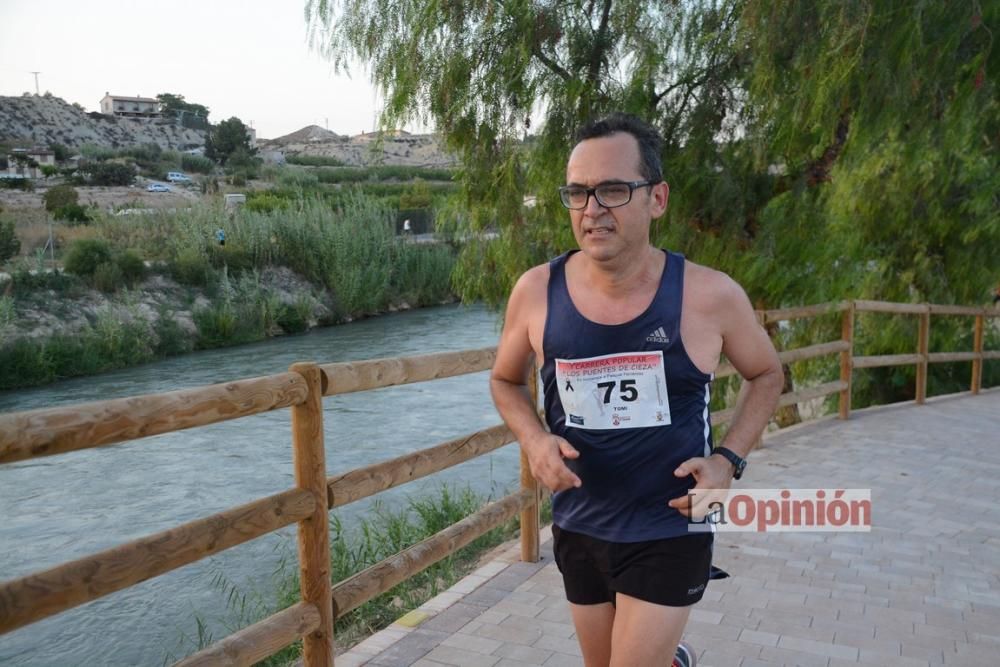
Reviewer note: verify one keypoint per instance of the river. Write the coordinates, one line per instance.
(61, 508)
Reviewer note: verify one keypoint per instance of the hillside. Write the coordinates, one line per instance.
(400, 148)
(39, 121)
(42, 120)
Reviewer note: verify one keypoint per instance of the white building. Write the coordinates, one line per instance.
(135, 107)
(27, 163)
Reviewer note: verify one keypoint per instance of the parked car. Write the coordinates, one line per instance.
(177, 177)
(157, 187)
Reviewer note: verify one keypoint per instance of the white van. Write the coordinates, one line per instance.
(177, 177)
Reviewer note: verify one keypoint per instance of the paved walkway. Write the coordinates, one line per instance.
(921, 589)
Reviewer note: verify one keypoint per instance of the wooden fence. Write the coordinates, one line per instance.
(46, 432)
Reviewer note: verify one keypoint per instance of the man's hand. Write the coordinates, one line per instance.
(713, 476)
(545, 456)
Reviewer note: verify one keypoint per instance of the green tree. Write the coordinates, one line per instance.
(62, 153)
(59, 196)
(786, 156)
(816, 149)
(86, 255)
(110, 173)
(227, 138)
(489, 74)
(10, 245)
(173, 105)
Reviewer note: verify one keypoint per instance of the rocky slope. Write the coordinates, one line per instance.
(399, 148)
(38, 121)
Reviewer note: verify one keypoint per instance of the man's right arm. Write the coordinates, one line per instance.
(508, 385)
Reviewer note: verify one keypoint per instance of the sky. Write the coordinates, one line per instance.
(248, 58)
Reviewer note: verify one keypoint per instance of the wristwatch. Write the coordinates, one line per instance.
(739, 462)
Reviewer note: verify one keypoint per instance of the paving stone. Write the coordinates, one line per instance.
(563, 660)
(409, 649)
(470, 642)
(508, 662)
(530, 654)
(559, 645)
(784, 656)
(453, 618)
(819, 648)
(919, 589)
(451, 655)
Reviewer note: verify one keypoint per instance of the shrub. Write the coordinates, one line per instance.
(85, 255)
(131, 266)
(265, 202)
(224, 324)
(10, 245)
(110, 173)
(384, 173)
(25, 184)
(94, 152)
(314, 160)
(294, 317)
(62, 153)
(23, 280)
(418, 195)
(108, 277)
(171, 337)
(235, 258)
(191, 267)
(197, 164)
(297, 178)
(59, 196)
(73, 213)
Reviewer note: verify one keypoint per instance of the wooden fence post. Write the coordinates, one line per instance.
(846, 359)
(923, 340)
(530, 516)
(977, 363)
(314, 534)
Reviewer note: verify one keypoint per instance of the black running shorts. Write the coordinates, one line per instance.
(671, 572)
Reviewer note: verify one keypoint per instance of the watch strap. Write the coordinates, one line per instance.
(738, 461)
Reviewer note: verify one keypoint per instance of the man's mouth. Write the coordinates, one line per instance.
(599, 231)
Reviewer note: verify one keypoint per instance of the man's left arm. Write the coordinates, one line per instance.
(748, 348)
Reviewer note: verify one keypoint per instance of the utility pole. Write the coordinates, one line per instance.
(36, 82)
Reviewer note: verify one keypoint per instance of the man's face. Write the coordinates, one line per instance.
(602, 233)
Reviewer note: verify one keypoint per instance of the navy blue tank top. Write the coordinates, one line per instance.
(627, 473)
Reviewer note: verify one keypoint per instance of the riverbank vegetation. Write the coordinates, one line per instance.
(384, 532)
(139, 288)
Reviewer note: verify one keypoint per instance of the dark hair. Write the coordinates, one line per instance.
(650, 141)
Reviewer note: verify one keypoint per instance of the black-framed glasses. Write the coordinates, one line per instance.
(608, 195)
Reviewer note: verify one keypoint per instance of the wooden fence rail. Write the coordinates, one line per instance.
(47, 432)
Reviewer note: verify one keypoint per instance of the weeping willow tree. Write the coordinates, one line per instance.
(816, 149)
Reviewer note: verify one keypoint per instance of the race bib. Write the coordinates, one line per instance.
(614, 391)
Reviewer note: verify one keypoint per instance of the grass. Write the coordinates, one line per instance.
(383, 533)
(384, 173)
(352, 249)
(109, 342)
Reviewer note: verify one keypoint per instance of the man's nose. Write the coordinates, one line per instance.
(593, 209)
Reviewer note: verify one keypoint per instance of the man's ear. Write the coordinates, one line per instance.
(660, 194)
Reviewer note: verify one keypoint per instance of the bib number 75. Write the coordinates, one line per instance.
(627, 389)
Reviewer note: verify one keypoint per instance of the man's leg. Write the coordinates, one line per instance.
(645, 634)
(594, 623)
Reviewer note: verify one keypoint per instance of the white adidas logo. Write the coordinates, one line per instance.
(658, 336)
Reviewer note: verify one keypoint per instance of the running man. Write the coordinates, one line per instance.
(642, 330)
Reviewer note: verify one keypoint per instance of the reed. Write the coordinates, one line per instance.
(383, 532)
